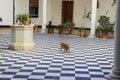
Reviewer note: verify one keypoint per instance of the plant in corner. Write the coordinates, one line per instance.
(83, 32)
(105, 26)
(69, 26)
(23, 19)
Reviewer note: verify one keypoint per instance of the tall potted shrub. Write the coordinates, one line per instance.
(105, 26)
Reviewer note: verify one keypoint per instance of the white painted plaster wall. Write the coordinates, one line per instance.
(56, 10)
(6, 12)
(80, 6)
(21, 6)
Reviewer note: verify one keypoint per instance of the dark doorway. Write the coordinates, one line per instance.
(67, 11)
(33, 8)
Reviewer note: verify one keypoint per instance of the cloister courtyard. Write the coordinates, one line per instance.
(89, 58)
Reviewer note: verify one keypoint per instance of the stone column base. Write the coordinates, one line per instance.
(115, 75)
(91, 36)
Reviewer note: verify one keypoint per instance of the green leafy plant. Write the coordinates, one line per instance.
(87, 15)
(23, 19)
(60, 26)
(82, 29)
(83, 32)
(105, 25)
(69, 26)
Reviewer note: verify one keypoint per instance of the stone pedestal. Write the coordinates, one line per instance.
(21, 38)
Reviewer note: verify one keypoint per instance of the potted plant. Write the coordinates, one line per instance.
(23, 19)
(97, 32)
(50, 27)
(69, 26)
(83, 32)
(22, 35)
(60, 27)
(105, 26)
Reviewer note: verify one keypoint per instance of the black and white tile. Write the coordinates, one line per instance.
(89, 59)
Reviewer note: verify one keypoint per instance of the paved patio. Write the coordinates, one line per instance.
(90, 59)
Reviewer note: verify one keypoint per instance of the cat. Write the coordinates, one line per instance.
(66, 47)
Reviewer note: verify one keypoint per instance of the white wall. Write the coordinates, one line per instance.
(106, 6)
(6, 12)
(21, 6)
(80, 6)
(56, 7)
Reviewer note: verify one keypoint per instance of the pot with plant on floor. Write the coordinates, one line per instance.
(83, 32)
(105, 26)
(69, 26)
(60, 27)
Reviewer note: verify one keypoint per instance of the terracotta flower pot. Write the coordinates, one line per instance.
(69, 29)
(82, 33)
(104, 35)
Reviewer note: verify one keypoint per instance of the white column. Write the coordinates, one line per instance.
(93, 18)
(44, 16)
(115, 74)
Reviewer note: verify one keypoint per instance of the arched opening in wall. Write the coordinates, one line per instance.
(67, 11)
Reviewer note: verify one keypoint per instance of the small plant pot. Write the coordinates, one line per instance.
(35, 28)
(104, 35)
(82, 33)
(69, 29)
(60, 31)
(24, 22)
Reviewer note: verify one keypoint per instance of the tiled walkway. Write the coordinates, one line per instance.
(90, 59)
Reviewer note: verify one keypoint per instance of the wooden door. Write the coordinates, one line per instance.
(67, 11)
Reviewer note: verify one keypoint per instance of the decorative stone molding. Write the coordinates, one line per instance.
(21, 38)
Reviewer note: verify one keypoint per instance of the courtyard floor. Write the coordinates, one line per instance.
(89, 59)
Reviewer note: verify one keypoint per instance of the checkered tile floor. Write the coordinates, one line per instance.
(90, 59)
